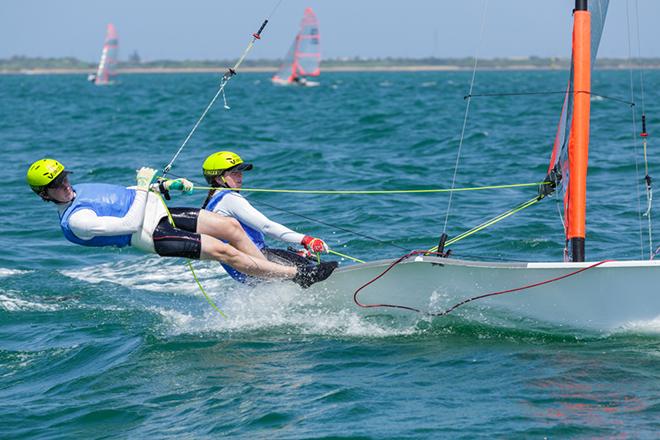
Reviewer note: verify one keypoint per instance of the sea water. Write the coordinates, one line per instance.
(108, 343)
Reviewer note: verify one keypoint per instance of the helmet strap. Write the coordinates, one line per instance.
(223, 184)
(43, 195)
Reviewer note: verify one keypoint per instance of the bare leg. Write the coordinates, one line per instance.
(228, 229)
(214, 249)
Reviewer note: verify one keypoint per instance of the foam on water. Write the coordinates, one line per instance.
(651, 326)
(268, 305)
(10, 301)
(4, 273)
(277, 305)
(154, 274)
(314, 322)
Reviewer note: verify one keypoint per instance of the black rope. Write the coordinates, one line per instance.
(487, 95)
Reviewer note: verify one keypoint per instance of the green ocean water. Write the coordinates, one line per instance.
(106, 343)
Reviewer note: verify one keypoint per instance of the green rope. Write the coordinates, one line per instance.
(364, 192)
(357, 260)
(208, 299)
(465, 234)
(490, 222)
(188, 262)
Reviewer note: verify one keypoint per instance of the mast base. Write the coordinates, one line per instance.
(577, 249)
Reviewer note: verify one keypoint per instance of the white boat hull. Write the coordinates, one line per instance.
(605, 297)
(306, 83)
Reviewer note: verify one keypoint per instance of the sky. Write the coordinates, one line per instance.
(220, 29)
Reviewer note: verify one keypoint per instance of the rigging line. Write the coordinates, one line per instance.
(274, 9)
(188, 262)
(369, 192)
(561, 217)
(493, 221)
(489, 95)
(644, 135)
(357, 260)
(634, 129)
(639, 56)
(225, 79)
(467, 111)
(330, 225)
(490, 222)
(206, 295)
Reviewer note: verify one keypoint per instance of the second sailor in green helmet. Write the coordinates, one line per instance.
(223, 171)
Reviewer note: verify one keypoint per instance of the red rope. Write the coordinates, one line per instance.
(473, 298)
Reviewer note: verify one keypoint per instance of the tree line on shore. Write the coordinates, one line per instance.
(23, 63)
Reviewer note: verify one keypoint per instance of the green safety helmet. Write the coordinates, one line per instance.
(221, 162)
(43, 173)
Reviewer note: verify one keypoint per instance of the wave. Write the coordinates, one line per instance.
(4, 273)
(10, 302)
(650, 327)
(154, 274)
(269, 305)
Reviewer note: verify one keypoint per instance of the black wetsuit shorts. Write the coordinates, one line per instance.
(180, 240)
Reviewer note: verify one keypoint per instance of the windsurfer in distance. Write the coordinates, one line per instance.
(224, 172)
(99, 214)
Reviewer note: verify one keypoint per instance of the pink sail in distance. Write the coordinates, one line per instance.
(108, 64)
(304, 56)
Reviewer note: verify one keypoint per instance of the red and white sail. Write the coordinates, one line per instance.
(568, 163)
(108, 64)
(304, 56)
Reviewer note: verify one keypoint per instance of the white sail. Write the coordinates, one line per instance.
(303, 58)
(107, 65)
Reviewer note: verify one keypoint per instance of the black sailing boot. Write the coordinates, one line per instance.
(308, 275)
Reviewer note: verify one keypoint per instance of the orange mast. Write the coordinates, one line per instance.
(578, 144)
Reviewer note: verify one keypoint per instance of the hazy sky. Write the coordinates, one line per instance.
(220, 29)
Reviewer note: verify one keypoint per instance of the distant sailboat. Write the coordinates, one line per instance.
(107, 66)
(304, 57)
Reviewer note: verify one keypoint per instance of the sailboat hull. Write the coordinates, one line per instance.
(283, 82)
(604, 297)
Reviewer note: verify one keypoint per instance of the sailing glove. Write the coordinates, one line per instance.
(144, 177)
(314, 244)
(182, 184)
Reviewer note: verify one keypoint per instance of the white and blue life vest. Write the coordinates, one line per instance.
(255, 235)
(106, 201)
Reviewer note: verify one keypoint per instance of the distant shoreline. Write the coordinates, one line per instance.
(53, 66)
(412, 68)
(147, 70)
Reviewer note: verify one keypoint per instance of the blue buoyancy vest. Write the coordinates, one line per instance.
(255, 235)
(106, 201)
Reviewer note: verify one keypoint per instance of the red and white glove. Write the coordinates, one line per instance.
(304, 253)
(315, 245)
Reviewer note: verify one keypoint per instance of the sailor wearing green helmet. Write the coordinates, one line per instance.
(224, 172)
(99, 214)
